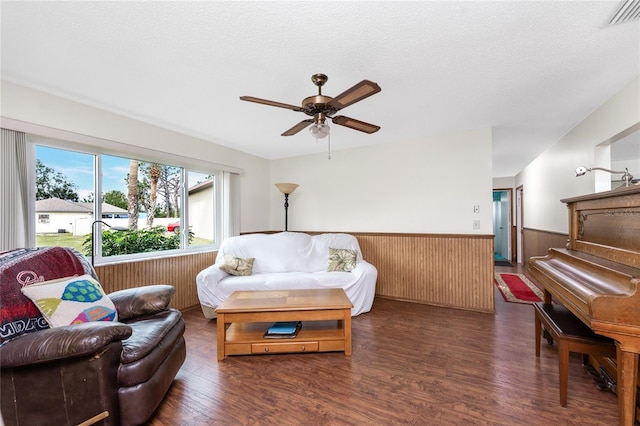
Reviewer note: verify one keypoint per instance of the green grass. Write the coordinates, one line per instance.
(63, 240)
(200, 241)
(69, 240)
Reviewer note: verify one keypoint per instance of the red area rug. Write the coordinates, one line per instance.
(517, 288)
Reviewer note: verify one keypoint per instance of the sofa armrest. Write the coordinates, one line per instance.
(140, 301)
(207, 282)
(208, 278)
(61, 342)
(364, 268)
(211, 275)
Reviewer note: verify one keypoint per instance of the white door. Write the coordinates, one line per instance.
(519, 223)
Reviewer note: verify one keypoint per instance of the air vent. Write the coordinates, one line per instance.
(629, 11)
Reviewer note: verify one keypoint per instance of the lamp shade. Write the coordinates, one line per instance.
(580, 171)
(319, 130)
(287, 188)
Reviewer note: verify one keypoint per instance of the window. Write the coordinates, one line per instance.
(145, 206)
(201, 219)
(64, 186)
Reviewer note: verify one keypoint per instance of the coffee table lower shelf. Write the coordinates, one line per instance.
(314, 336)
(244, 317)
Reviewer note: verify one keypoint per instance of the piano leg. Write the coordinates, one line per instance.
(627, 382)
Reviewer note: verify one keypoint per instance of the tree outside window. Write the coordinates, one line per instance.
(140, 200)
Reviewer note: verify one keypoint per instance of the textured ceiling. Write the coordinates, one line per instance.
(529, 70)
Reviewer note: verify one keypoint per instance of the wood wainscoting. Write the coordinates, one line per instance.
(444, 270)
(179, 271)
(538, 243)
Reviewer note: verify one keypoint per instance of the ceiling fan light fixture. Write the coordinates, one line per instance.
(319, 130)
(321, 107)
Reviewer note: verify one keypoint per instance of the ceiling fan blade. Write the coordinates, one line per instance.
(360, 91)
(355, 124)
(270, 103)
(295, 129)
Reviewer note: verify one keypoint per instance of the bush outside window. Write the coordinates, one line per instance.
(144, 206)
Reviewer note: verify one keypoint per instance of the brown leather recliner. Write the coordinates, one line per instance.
(108, 373)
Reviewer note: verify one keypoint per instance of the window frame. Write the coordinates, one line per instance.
(186, 165)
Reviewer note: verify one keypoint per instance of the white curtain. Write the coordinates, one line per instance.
(14, 190)
(230, 205)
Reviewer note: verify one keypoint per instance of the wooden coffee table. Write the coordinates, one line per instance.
(245, 316)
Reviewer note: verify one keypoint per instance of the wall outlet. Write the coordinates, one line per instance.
(476, 209)
(476, 224)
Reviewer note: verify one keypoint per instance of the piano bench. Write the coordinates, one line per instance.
(572, 335)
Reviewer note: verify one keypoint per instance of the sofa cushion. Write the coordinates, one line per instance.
(334, 279)
(341, 260)
(317, 252)
(23, 267)
(71, 300)
(272, 252)
(282, 281)
(237, 265)
(286, 251)
(147, 332)
(151, 342)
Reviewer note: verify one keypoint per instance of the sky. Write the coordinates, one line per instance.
(78, 168)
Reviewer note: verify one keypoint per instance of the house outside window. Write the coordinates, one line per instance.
(140, 200)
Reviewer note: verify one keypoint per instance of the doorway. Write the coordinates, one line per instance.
(519, 225)
(502, 208)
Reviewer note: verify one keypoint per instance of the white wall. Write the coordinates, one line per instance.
(61, 220)
(504, 182)
(37, 108)
(551, 176)
(428, 185)
(424, 186)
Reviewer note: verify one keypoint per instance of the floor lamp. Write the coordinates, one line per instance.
(286, 189)
(93, 243)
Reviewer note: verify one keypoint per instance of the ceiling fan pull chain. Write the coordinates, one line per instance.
(329, 147)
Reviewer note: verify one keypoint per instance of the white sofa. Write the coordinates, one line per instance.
(287, 260)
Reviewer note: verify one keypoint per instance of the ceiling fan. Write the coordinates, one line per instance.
(321, 107)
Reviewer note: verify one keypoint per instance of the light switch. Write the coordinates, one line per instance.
(476, 224)
(476, 209)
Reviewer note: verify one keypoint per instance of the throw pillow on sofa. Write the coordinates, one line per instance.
(71, 300)
(342, 260)
(237, 265)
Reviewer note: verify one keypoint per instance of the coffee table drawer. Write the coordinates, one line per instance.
(283, 347)
(331, 345)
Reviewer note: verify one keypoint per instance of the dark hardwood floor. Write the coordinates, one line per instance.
(411, 364)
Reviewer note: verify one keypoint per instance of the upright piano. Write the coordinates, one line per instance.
(597, 277)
